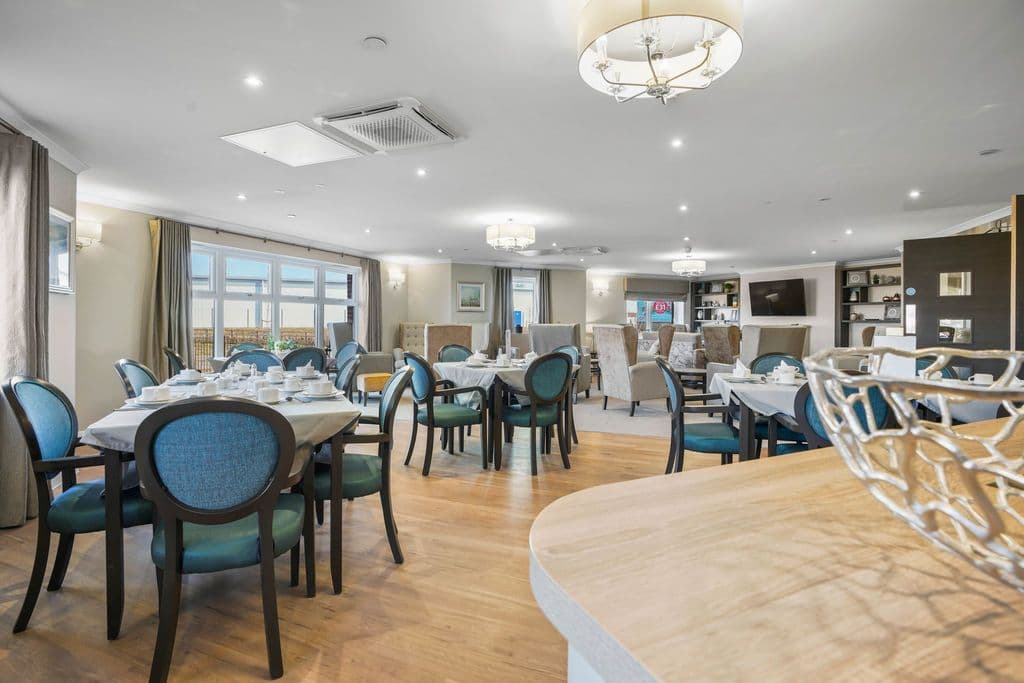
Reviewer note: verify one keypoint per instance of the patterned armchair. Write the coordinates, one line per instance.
(436, 337)
(622, 376)
(545, 338)
(410, 340)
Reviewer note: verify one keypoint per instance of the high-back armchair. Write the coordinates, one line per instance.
(436, 337)
(549, 337)
(622, 377)
(792, 340)
(721, 343)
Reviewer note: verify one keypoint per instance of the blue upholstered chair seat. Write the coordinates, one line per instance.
(214, 547)
(81, 509)
(519, 416)
(450, 415)
(360, 476)
(783, 433)
(787, 448)
(711, 437)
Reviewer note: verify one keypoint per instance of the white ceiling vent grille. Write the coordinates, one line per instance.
(399, 125)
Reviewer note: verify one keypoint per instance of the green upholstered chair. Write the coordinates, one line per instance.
(765, 363)
(701, 437)
(50, 428)
(261, 358)
(346, 376)
(305, 356)
(546, 384)
(574, 353)
(946, 371)
(214, 469)
(244, 346)
(338, 476)
(453, 353)
(134, 376)
(447, 415)
(808, 420)
(348, 350)
(175, 363)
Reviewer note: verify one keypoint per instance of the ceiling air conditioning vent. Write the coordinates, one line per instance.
(399, 125)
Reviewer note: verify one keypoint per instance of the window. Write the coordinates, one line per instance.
(647, 315)
(60, 251)
(524, 300)
(243, 296)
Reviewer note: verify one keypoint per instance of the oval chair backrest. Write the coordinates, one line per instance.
(453, 353)
(390, 397)
(348, 350)
(211, 458)
(674, 384)
(134, 376)
(809, 419)
(422, 377)
(571, 351)
(926, 361)
(347, 375)
(765, 363)
(261, 358)
(304, 356)
(243, 346)
(175, 363)
(45, 415)
(548, 377)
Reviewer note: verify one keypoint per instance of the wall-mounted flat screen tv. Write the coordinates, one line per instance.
(778, 297)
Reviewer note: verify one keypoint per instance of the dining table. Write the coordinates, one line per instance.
(313, 421)
(756, 395)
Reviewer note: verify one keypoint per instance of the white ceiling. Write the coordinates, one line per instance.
(856, 100)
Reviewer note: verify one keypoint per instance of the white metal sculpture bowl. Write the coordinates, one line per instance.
(963, 492)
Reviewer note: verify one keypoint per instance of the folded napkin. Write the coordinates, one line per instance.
(740, 370)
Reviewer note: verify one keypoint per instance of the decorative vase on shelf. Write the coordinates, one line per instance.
(876, 279)
(855, 296)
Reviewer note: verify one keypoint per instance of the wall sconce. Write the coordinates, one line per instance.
(600, 287)
(396, 278)
(87, 233)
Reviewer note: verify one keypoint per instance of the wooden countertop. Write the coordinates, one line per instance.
(780, 569)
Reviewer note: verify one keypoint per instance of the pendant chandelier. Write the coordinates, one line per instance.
(689, 267)
(657, 49)
(511, 236)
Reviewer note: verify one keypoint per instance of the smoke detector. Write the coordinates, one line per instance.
(391, 127)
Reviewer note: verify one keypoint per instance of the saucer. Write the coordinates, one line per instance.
(320, 397)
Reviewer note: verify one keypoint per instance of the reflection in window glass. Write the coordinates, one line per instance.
(246, 276)
(202, 271)
(338, 284)
(955, 284)
(297, 280)
(955, 331)
(247, 321)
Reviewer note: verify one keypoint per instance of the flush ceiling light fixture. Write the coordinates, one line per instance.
(511, 236)
(689, 267)
(657, 48)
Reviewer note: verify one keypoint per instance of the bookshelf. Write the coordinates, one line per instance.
(866, 295)
(714, 301)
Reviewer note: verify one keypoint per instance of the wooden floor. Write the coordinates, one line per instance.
(459, 609)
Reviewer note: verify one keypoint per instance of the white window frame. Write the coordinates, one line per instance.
(218, 293)
(535, 277)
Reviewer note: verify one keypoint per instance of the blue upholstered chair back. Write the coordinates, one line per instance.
(134, 376)
(390, 397)
(175, 363)
(764, 364)
(947, 372)
(548, 377)
(261, 358)
(571, 351)
(675, 387)
(304, 356)
(46, 417)
(214, 455)
(348, 350)
(453, 353)
(422, 377)
(807, 411)
(243, 346)
(346, 374)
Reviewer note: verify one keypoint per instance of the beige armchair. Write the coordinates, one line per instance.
(436, 337)
(757, 340)
(545, 338)
(721, 348)
(410, 338)
(622, 377)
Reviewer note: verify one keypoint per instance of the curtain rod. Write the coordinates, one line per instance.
(9, 126)
(267, 240)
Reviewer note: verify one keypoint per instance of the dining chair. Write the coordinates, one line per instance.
(574, 353)
(346, 376)
(546, 385)
(134, 376)
(767, 362)
(50, 427)
(348, 350)
(925, 362)
(175, 363)
(453, 353)
(340, 476)
(214, 469)
(305, 356)
(446, 416)
(808, 420)
(261, 358)
(244, 346)
(701, 437)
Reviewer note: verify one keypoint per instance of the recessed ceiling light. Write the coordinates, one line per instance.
(914, 194)
(686, 239)
(849, 231)
(291, 215)
(421, 172)
(440, 251)
(367, 231)
(677, 143)
(684, 207)
(241, 197)
(320, 186)
(813, 252)
(278, 191)
(253, 81)
(554, 244)
(581, 259)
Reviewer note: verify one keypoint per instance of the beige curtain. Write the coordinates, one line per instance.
(25, 283)
(544, 295)
(370, 316)
(169, 320)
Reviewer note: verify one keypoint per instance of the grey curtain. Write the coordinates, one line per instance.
(370, 314)
(502, 315)
(169, 320)
(544, 295)
(25, 283)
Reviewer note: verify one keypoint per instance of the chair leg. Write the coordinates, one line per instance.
(336, 521)
(270, 626)
(389, 523)
(293, 579)
(319, 506)
(562, 446)
(36, 580)
(462, 439)
(533, 451)
(668, 405)
(632, 408)
(604, 406)
(412, 439)
(757, 448)
(670, 465)
(587, 392)
(308, 540)
(170, 603)
(451, 440)
(60, 564)
(484, 443)
(430, 450)
(159, 584)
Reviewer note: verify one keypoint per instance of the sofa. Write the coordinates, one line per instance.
(622, 377)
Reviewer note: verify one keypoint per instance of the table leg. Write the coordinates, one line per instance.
(337, 453)
(308, 530)
(747, 419)
(114, 539)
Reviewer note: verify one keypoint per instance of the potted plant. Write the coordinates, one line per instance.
(728, 287)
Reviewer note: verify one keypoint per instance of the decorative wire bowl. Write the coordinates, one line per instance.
(960, 486)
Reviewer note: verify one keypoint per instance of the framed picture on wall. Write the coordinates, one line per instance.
(470, 296)
(892, 312)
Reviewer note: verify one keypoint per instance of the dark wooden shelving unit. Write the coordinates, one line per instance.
(868, 296)
(708, 306)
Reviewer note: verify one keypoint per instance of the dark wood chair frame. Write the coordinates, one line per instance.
(346, 387)
(321, 354)
(507, 392)
(447, 391)
(235, 357)
(457, 347)
(173, 513)
(574, 398)
(678, 411)
(785, 356)
(119, 367)
(174, 358)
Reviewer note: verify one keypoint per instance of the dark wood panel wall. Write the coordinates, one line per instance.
(1017, 269)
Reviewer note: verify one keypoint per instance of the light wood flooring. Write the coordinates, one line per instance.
(459, 609)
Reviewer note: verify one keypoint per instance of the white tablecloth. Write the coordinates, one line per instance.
(462, 375)
(967, 411)
(766, 398)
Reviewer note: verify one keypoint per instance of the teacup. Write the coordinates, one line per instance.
(269, 395)
(275, 368)
(258, 384)
(293, 384)
(225, 382)
(190, 374)
(163, 393)
(275, 376)
(324, 388)
(206, 389)
(502, 361)
(982, 378)
(150, 394)
(306, 371)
